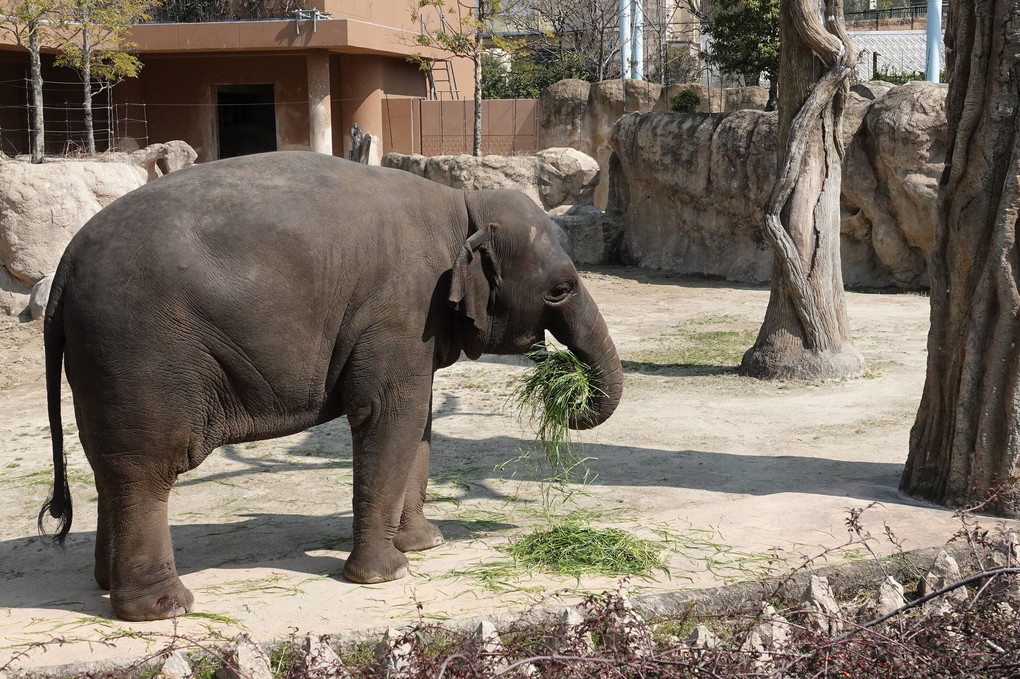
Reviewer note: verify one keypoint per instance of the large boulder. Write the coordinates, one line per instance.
(745, 98)
(561, 108)
(552, 178)
(890, 187)
(581, 115)
(607, 101)
(688, 190)
(43, 205)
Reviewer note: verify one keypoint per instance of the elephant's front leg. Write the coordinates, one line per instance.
(416, 533)
(387, 436)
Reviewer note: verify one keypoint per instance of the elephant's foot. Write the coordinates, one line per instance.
(375, 565)
(167, 602)
(417, 535)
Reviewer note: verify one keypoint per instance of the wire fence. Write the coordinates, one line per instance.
(114, 124)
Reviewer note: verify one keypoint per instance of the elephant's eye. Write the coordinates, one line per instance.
(559, 293)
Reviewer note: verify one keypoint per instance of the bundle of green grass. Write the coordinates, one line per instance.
(558, 390)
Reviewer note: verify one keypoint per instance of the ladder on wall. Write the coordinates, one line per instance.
(442, 80)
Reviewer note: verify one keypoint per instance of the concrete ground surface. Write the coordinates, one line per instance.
(737, 477)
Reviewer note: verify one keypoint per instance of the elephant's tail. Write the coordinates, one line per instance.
(59, 504)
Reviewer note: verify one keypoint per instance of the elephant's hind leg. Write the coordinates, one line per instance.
(143, 577)
(134, 557)
(416, 533)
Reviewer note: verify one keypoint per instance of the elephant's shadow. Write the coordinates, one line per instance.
(34, 575)
(291, 542)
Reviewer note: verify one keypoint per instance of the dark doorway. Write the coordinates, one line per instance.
(247, 119)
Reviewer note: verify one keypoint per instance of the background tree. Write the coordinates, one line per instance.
(966, 439)
(576, 35)
(457, 29)
(529, 73)
(805, 334)
(27, 22)
(745, 39)
(92, 43)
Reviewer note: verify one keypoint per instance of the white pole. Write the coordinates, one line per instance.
(637, 45)
(625, 38)
(934, 22)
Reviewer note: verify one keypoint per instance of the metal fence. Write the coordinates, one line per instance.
(893, 19)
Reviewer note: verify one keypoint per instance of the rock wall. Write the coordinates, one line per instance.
(581, 115)
(553, 178)
(688, 189)
(42, 206)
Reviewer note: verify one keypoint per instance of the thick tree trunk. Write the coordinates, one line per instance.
(805, 334)
(965, 443)
(37, 145)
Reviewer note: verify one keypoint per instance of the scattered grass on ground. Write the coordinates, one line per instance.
(694, 349)
(573, 548)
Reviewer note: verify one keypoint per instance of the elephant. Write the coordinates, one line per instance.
(257, 296)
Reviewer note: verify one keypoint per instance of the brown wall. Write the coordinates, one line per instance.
(509, 126)
(175, 97)
(179, 93)
(62, 101)
(363, 84)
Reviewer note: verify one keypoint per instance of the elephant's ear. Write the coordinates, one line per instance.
(476, 276)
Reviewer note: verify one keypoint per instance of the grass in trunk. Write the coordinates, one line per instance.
(558, 388)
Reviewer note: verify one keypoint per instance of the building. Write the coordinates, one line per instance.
(243, 86)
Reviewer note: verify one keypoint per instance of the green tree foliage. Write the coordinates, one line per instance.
(745, 38)
(528, 75)
(28, 22)
(457, 29)
(684, 101)
(93, 44)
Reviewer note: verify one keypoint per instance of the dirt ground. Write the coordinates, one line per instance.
(736, 476)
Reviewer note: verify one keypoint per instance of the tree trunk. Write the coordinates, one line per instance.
(805, 334)
(773, 101)
(476, 137)
(37, 144)
(86, 75)
(965, 443)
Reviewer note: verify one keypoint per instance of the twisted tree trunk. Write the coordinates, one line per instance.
(965, 443)
(805, 334)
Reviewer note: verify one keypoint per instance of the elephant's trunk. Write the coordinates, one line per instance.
(587, 336)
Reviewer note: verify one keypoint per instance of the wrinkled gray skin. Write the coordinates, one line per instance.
(255, 297)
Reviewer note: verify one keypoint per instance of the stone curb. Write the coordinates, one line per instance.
(846, 579)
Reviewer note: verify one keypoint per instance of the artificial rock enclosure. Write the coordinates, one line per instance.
(681, 193)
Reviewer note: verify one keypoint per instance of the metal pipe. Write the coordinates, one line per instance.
(625, 38)
(934, 34)
(637, 45)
